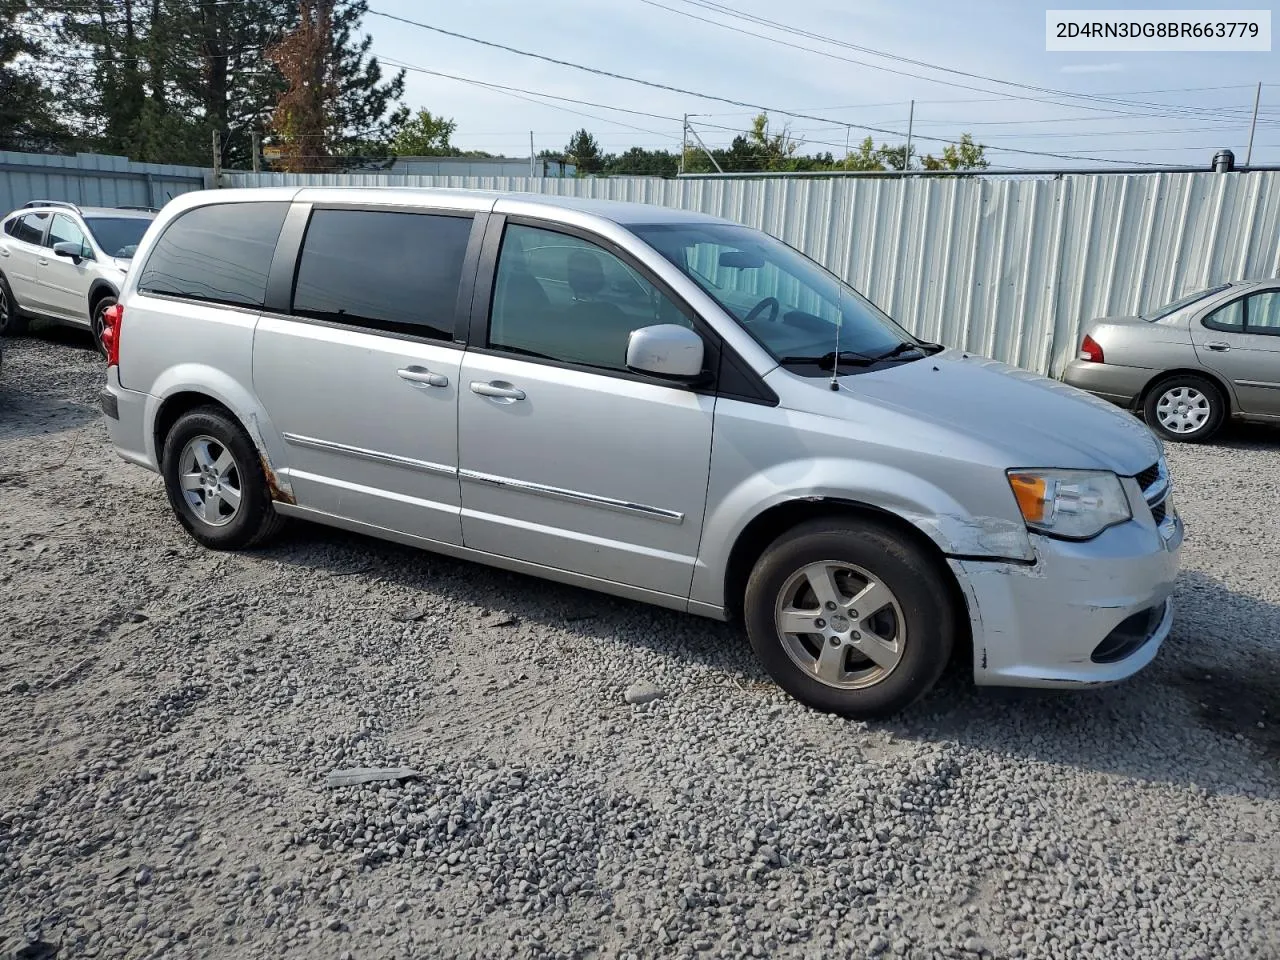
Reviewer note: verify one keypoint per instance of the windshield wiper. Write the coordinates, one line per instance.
(828, 360)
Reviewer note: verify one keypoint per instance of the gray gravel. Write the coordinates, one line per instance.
(169, 717)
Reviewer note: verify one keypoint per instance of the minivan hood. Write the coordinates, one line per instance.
(1036, 421)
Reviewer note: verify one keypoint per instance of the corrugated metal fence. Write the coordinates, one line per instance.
(93, 180)
(1009, 268)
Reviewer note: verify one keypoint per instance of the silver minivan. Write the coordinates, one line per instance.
(652, 403)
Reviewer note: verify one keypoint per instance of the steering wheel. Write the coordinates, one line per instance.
(771, 303)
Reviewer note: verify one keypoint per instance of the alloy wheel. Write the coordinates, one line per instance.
(211, 481)
(841, 624)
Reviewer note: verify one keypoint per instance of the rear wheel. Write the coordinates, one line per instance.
(12, 322)
(849, 617)
(215, 482)
(96, 321)
(1186, 408)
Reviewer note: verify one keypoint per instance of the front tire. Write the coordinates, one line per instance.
(850, 618)
(215, 482)
(96, 322)
(1188, 409)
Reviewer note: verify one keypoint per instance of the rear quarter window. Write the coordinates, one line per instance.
(220, 253)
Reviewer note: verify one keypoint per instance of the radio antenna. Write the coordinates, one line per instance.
(835, 359)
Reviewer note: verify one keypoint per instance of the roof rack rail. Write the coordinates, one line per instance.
(51, 203)
(128, 206)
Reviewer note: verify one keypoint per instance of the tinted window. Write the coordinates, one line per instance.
(1264, 312)
(65, 230)
(31, 227)
(1228, 317)
(388, 271)
(562, 298)
(118, 236)
(221, 253)
(1185, 301)
(11, 225)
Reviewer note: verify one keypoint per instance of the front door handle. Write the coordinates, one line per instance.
(1219, 346)
(43, 262)
(3, 252)
(424, 376)
(499, 389)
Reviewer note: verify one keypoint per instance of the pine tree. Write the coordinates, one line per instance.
(27, 121)
(584, 153)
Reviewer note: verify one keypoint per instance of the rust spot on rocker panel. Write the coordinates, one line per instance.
(278, 493)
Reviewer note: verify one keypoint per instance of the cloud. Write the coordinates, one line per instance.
(1092, 68)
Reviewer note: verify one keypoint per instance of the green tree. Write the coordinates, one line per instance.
(584, 153)
(425, 135)
(965, 155)
(27, 117)
(639, 162)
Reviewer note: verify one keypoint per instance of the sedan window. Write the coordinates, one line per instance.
(1228, 318)
(1264, 313)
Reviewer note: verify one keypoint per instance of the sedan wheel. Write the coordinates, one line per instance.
(1185, 408)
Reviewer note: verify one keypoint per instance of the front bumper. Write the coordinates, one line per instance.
(1068, 620)
(1110, 381)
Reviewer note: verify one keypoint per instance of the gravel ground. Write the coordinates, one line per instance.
(168, 716)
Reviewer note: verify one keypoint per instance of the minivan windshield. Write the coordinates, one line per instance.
(1171, 308)
(118, 236)
(792, 306)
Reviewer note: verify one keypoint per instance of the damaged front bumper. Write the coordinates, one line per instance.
(1085, 613)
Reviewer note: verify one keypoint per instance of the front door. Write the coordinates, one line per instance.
(362, 382)
(568, 460)
(1241, 341)
(65, 283)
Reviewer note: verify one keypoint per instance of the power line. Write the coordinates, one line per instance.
(712, 6)
(692, 93)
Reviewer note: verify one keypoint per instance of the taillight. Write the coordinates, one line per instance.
(1089, 350)
(111, 318)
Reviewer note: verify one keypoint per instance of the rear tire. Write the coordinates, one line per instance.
(1185, 408)
(215, 482)
(12, 322)
(96, 321)
(861, 663)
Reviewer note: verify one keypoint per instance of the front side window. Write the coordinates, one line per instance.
(220, 253)
(1229, 317)
(559, 297)
(390, 271)
(66, 230)
(30, 229)
(792, 306)
(118, 236)
(1263, 313)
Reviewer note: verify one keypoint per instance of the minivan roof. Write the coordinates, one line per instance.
(616, 211)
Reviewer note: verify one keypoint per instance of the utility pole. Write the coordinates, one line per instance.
(254, 137)
(911, 118)
(1257, 98)
(684, 144)
(217, 159)
(847, 131)
(709, 154)
(532, 157)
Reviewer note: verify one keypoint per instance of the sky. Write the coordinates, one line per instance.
(1177, 109)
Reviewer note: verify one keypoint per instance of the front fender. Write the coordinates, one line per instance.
(226, 390)
(926, 506)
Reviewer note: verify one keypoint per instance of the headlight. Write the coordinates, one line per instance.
(1075, 504)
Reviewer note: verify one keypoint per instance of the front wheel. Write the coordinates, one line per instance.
(96, 322)
(215, 483)
(850, 618)
(1185, 408)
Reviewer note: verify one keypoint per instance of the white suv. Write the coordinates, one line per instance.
(65, 263)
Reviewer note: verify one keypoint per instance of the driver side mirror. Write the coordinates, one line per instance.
(68, 248)
(666, 350)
